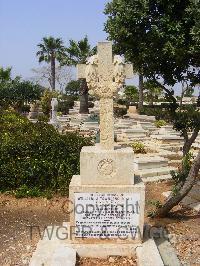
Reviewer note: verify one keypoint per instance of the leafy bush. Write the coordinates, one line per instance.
(182, 173)
(46, 101)
(138, 147)
(43, 118)
(35, 157)
(160, 112)
(120, 111)
(17, 93)
(73, 88)
(25, 191)
(25, 108)
(160, 123)
(131, 93)
(122, 102)
(65, 105)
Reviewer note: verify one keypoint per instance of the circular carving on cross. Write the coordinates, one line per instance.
(106, 167)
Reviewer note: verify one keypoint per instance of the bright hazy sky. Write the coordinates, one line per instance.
(25, 22)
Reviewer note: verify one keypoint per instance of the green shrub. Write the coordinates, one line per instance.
(160, 123)
(120, 111)
(43, 118)
(59, 113)
(160, 112)
(65, 105)
(122, 102)
(25, 108)
(182, 173)
(25, 191)
(46, 101)
(138, 147)
(35, 157)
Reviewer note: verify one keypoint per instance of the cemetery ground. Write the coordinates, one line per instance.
(17, 215)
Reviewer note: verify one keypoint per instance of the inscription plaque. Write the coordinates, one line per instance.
(107, 215)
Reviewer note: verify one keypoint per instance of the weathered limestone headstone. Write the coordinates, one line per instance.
(54, 106)
(35, 110)
(132, 110)
(107, 202)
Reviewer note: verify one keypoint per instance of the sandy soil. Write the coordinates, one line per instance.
(23, 220)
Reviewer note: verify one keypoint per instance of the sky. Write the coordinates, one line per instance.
(25, 22)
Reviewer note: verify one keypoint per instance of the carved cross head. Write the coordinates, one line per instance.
(104, 74)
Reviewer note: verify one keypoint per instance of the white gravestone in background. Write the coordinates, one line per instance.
(54, 106)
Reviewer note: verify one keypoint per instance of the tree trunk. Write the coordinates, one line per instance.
(141, 96)
(189, 183)
(168, 92)
(182, 94)
(189, 141)
(53, 73)
(83, 96)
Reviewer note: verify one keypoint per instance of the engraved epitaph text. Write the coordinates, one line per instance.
(107, 215)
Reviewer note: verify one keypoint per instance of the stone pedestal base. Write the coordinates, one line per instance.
(110, 213)
(99, 166)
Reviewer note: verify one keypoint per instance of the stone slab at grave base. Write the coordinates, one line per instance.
(168, 139)
(138, 117)
(149, 162)
(61, 238)
(47, 248)
(60, 251)
(155, 174)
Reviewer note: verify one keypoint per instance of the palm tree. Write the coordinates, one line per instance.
(78, 52)
(51, 49)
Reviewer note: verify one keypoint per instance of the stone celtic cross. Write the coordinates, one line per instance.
(104, 76)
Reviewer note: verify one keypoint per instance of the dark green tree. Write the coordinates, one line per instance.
(160, 38)
(189, 92)
(187, 121)
(16, 93)
(131, 93)
(50, 50)
(152, 91)
(5, 74)
(73, 88)
(78, 52)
